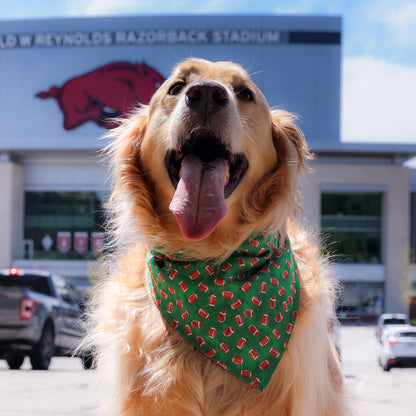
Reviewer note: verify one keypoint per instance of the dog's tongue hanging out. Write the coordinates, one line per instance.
(199, 202)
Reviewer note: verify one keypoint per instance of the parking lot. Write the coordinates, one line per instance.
(68, 390)
(65, 389)
(373, 391)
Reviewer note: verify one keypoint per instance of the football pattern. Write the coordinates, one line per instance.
(239, 313)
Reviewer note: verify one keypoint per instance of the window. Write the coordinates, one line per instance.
(361, 299)
(63, 225)
(351, 224)
(39, 284)
(394, 321)
(65, 291)
(406, 334)
(413, 227)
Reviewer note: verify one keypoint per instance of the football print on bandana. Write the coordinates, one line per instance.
(239, 313)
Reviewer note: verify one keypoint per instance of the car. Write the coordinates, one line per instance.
(386, 320)
(41, 316)
(397, 347)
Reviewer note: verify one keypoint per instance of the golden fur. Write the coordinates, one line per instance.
(147, 367)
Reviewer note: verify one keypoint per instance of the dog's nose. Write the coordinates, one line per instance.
(206, 96)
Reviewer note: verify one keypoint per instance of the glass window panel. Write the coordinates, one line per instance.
(361, 299)
(413, 227)
(63, 225)
(351, 224)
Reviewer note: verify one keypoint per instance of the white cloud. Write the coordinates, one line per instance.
(114, 7)
(304, 6)
(213, 6)
(399, 18)
(105, 7)
(378, 101)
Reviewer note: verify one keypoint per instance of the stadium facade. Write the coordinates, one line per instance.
(62, 80)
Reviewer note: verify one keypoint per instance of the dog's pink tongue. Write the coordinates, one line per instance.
(199, 203)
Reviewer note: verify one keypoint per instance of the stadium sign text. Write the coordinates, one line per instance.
(140, 37)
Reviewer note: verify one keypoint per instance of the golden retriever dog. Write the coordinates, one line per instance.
(215, 301)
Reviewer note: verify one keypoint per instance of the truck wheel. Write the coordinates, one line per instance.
(87, 360)
(42, 353)
(15, 361)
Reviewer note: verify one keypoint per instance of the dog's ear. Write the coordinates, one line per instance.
(275, 197)
(289, 141)
(131, 196)
(123, 152)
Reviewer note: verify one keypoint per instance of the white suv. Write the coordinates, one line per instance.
(397, 347)
(387, 320)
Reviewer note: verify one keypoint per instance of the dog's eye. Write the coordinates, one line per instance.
(176, 88)
(244, 93)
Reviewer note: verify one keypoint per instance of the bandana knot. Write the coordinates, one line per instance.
(240, 313)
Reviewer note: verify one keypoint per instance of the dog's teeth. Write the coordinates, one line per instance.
(226, 177)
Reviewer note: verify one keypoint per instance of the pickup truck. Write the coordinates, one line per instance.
(40, 317)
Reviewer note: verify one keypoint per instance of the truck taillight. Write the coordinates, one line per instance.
(393, 340)
(27, 307)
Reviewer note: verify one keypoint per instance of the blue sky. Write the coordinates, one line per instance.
(379, 50)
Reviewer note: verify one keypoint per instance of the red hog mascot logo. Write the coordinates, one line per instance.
(104, 93)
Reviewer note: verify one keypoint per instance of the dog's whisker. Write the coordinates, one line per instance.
(292, 163)
(250, 124)
(251, 138)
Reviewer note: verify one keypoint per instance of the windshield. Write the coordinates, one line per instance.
(395, 321)
(39, 284)
(406, 334)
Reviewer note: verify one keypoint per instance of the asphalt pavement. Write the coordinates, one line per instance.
(66, 389)
(372, 391)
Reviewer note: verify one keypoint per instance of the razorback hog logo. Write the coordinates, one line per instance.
(104, 93)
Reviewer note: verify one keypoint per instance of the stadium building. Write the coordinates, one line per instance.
(61, 80)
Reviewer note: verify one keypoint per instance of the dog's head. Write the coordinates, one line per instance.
(206, 163)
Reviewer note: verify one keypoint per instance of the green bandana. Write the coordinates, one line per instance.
(240, 313)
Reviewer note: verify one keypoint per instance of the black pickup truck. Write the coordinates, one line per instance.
(40, 317)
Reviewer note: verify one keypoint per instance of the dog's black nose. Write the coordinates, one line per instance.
(206, 96)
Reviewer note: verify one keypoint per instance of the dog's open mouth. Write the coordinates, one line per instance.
(204, 173)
